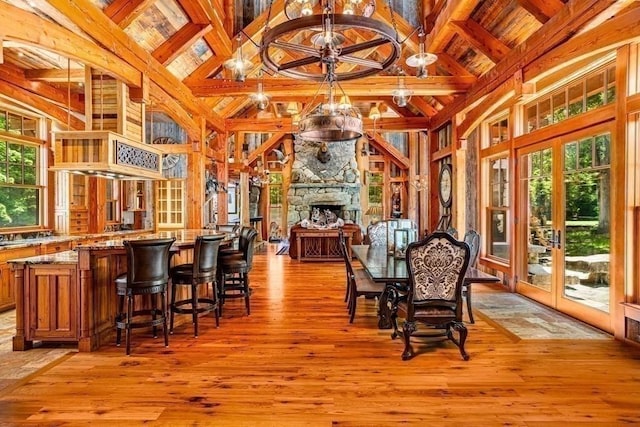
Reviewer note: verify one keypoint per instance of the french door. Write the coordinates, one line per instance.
(564, 230)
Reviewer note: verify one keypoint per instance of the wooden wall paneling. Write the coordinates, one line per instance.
(434, 169)
(473, 185)
(286, 183)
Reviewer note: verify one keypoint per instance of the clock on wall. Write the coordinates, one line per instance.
(445, 185)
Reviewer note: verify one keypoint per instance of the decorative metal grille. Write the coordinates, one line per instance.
(134, 156)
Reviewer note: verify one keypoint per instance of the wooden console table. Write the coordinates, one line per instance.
(321, 244)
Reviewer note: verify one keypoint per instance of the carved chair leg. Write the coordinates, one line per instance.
(408, 328)
(394, 323)
(216, 308)
(462, 331)
(171, 305)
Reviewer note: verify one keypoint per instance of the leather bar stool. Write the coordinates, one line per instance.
(235, 249)
(235, 268)
(202, 271)
(147, 274)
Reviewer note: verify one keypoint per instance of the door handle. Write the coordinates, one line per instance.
(556, 238)
(559, 241)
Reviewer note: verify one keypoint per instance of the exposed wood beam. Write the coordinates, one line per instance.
(96, 24)
(432, 85)
(442, 32)
(180, 42)
(284, 124)
(557, 30)
(76, 75)
(16, 77)
(390, 150)
(486, 107)
(253, 30)
(124, 12)
(18, 25)
(613, 33)
(452, 66)
(265, 146)
(482, 40)
(177, 113)
(423, 106)
(202, 12)
(542, 10)
(26, 98)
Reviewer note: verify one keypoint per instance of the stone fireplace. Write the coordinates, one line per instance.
(327, 178)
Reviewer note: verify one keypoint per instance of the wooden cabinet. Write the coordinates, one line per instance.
(7, 287)
(52, 301)
(71, 207)
(54, 247)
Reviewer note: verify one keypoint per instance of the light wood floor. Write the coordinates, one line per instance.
(297, 361)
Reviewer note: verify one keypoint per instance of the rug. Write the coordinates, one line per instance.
(527, 319)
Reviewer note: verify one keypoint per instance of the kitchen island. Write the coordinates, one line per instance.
(71, 296)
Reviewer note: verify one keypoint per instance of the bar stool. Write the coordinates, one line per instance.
(203, 270)
(235, 268)
(147, 274)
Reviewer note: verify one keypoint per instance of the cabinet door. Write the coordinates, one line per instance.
(7, 291)
(7, 288)
(52, 299)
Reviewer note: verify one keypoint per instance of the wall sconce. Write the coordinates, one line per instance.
(401, 95)
(420, 182)
(238, 64)
(421, 59)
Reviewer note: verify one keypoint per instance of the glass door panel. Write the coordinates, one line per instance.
(537, 258)
(587, 239)
(565, 234)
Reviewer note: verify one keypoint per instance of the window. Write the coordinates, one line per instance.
(498, 208)
(585, 94)
(20, 192)
(376, 182)
(499, 131)
(112, 202)
(170, 204)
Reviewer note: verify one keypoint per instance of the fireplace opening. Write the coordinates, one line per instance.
(338, 210)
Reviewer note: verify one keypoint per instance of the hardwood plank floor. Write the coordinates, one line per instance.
(297, 361)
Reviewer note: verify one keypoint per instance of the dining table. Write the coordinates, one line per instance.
(384, 267)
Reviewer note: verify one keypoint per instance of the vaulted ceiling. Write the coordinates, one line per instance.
(175, 49)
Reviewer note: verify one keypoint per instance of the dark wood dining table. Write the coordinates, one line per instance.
(385, 268)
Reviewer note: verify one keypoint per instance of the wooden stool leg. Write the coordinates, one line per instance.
(194, 309)
(129, 316)
(164, 318)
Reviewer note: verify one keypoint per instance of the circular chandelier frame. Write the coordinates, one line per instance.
(329, 54)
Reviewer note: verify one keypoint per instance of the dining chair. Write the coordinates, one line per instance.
(436, 267)
(377, 234)
(147, 274)
(471, 238)
(202, 271)
(358, 281)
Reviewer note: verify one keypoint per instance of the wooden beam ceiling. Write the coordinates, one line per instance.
(432, 85)
(481, 39)
(98, 26)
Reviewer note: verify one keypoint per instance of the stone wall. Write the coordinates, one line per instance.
(324, 178)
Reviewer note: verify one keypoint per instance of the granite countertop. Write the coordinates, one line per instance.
(25, 243)
(66, 257)
(183, 238)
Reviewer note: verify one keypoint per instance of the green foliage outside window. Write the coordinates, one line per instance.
(19, 194)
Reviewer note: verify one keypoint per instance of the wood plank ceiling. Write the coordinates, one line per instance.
(180, 46)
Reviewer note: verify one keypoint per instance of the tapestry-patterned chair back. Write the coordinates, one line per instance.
(377, 234)
(437, 266)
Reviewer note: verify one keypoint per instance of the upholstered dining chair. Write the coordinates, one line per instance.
(436, 267)
(471, 238)
(377, 234)
(358, 281)
(147, 274)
